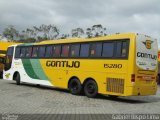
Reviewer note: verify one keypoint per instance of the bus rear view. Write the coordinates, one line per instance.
(144, 79)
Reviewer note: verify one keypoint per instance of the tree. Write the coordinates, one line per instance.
(64, 36)
(98, 30)
(53, 32)
(45, 32)
(27, 35)
(95, 31)
(78, 32)
(89, 32)
(11, 33)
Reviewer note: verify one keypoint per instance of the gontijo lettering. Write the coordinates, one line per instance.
(69, 64)
(146, 55)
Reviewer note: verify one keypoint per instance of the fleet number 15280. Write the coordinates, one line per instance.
(113, 66)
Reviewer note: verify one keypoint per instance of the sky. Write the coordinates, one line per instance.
(140, 16)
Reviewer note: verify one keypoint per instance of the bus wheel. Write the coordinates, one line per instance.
(91, 89)
(17, 79)
(1, 75)
(75, 86)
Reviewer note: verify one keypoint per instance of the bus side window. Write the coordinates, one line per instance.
(28, 51)
(48, 51)
(17, 52)
(96, 50)
(41, 51)
(35, 51)
(118, 52)
(65, 51)
(84, 51)
(23, 52)
(124, 49)
(108, 49)
(56, 50)
(75, 50)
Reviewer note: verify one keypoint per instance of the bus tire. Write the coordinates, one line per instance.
(91, 89)
(75, 86)
(17, 79)
(1, 75)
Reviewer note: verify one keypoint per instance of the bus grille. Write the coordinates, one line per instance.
(115, 85)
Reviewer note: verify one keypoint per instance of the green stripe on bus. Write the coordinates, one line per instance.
(25, 44)
(37, 68)
(33, 67)
(29, 69)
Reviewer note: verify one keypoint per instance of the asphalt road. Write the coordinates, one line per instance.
(31, 99)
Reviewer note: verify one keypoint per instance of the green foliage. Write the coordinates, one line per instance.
(78, 32)
(93, 31)
(50, 32)
(10, 33)
(98, 30)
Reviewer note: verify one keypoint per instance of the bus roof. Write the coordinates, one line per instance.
(70, 40)
(76, 40)
(4, 45)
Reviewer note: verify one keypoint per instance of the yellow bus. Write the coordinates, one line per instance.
(115, 65)
(3, 50)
